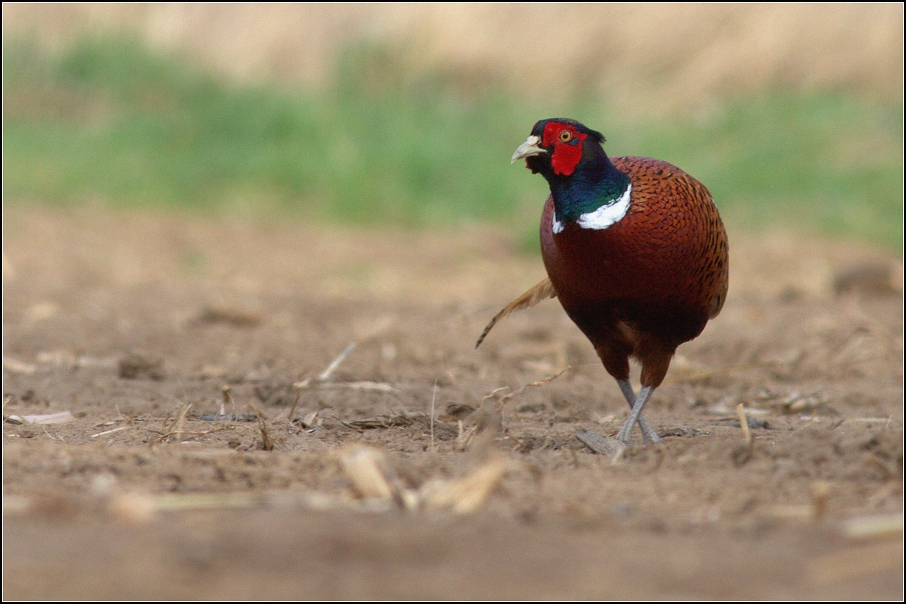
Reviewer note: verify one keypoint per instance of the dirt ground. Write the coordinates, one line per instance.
(145, 328)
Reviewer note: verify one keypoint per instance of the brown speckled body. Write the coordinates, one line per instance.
(649, 282)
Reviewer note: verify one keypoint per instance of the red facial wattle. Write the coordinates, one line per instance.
(566, 154)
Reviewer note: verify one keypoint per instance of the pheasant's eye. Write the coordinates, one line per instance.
(566, 136)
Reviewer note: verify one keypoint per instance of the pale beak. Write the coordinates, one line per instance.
(528, 148)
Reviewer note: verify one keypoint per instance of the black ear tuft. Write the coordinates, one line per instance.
(597, 136)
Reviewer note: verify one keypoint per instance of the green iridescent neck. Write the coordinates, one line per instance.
(592, 186)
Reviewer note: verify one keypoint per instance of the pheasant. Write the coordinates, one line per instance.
(635, 251)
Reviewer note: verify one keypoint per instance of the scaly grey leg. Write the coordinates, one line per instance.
(649, 435)
(634, 416)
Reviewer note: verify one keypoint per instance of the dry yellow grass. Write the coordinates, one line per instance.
(681, 56)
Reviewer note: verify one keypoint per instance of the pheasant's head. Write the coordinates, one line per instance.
(558, 146)
(581, 177)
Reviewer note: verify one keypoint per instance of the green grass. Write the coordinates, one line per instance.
(108, 120)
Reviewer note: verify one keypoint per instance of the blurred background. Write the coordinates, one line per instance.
(791, 114)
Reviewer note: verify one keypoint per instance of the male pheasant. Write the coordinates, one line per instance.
(635, 251)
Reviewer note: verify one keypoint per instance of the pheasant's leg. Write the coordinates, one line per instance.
(648, 433)
(626, 430)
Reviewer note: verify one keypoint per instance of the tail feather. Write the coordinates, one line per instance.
(541, 291)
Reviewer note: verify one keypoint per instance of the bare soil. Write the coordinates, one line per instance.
(135, 323)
